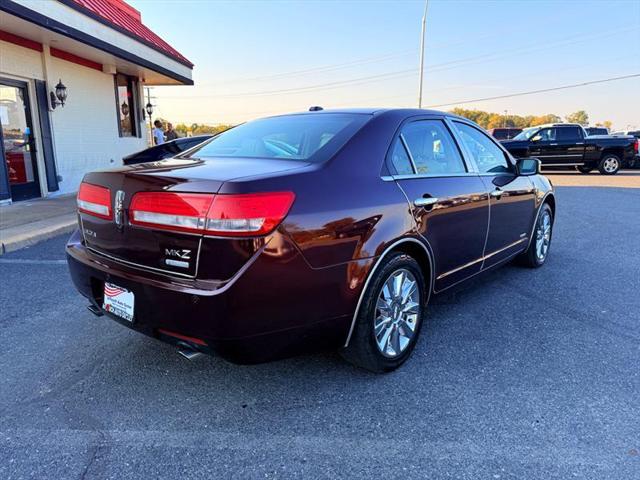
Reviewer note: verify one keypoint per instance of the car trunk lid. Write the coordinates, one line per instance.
(157, 248)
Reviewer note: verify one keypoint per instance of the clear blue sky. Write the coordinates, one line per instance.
(255, 58)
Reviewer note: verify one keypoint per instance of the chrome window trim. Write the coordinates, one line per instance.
(408, 152)
(373, 270)
(390, 178)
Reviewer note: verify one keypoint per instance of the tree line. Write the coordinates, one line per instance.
(496, 120)
(185, 130)
(200, 129)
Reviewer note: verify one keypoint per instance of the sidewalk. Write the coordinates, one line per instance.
(26, 223)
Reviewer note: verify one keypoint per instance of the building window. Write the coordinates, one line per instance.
(127, 105)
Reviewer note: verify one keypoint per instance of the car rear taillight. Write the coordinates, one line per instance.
(240, 215)
(94, 200)
(248, 214)
(184, 212)
(635, 146)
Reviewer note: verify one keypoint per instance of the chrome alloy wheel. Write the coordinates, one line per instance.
(543, 235)
(610, 164)
(397, 313)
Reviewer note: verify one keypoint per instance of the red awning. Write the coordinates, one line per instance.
(121, 16)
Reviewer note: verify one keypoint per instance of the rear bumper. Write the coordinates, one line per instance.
(276, 307)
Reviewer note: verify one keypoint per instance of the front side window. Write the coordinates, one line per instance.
(545, 135)
(488, 156)
(126, 105)
(526, 134)
(431, 148)
(312, 137)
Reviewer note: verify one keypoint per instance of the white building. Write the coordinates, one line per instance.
(103, 54)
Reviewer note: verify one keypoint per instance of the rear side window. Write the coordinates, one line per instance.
(488, 156)
(429, 148)
(400, 159)
(568, 133)
(291, 137)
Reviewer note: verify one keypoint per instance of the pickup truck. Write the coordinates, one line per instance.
(569, 145)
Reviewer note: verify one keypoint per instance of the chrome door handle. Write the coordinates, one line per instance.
(497, 193)
(425, 201)
(553, 144)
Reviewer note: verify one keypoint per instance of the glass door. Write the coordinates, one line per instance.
(18, 145)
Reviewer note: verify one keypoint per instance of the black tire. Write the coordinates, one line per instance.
(609, 164)
(530, 257)
(363, 350)
(584, 168)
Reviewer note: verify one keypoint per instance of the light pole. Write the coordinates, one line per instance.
(422, 37)
(505, 119)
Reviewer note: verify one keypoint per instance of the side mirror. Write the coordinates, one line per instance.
(528, 166)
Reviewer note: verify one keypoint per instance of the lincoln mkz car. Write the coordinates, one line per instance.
(323, 229)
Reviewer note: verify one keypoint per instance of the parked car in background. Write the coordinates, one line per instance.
(295, 232)
(568, 145)
(597, 131)
(630, 133)
(165, 150)
(504, 133)
(624, 133)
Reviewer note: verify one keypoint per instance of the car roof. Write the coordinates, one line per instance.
(546, 125)
(374, 111)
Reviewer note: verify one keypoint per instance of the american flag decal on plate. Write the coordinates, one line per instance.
(112, 290)
(118, 301)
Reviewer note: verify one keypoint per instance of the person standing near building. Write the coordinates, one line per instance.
(158, 134)
(170, 134)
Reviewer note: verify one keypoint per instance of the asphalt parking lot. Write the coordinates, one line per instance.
(523, 374)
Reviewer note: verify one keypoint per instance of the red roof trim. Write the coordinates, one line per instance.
(120, 16)
(21, 41)
(70, 57)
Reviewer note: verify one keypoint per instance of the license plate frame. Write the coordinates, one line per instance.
(118, 301)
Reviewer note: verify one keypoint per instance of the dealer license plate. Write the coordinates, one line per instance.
(119, 301)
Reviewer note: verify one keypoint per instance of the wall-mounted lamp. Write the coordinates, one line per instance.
(149, 108)
(60, 96)
(124, 108)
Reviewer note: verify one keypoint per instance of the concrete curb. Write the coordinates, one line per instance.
(15, 238)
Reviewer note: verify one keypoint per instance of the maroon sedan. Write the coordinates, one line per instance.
(324, 229)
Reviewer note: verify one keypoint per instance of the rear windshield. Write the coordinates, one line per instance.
(307, 137)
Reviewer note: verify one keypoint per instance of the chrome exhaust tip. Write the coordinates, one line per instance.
(97, 311)
(187, 351)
